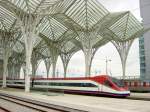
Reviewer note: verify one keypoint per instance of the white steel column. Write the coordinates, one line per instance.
(54, 56)
(47, 64)
(24, 69)
(54, 62)
(34, 68)
(13, 71)
(65, 59)
(28, 26)
(89, 54)
(88, 41)
(6, 54)
(28, 71)
(18, 67)
(123, 50)
(6, 39)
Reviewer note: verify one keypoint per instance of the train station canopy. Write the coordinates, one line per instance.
(31, 30)
(62, 21)
(47, 29)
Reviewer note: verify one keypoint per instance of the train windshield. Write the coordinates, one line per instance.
(119, 83)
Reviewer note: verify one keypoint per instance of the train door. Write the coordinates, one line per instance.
(101, 84)
(100, 87)
(107, 86)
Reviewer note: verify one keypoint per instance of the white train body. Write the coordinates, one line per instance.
(92, 85)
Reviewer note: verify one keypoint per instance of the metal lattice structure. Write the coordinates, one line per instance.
(46, 29)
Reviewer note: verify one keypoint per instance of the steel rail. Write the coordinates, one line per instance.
(42, 104)
(4, 109)
(21, 104)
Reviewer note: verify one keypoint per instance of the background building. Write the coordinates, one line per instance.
(142, 58)
(144, 43)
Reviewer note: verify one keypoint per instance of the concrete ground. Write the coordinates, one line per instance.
(140, 95)
(89, 103)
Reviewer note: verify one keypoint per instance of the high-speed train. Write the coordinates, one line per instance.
(98, 85)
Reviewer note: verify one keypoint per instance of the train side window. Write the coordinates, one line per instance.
(107, 83)
(65, 84)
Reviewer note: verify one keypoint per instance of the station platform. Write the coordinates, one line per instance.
(87, 103)
(140, 96)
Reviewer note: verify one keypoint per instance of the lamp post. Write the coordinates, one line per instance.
(107, 60)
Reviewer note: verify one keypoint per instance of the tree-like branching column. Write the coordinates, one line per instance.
(47, 64)
(87, 41)
(65, 59)
(6, 39)
(15, 63)
(89, 54)
(123, 47)
(54, 56)
(10, 69)
(27, 15)
(17, 71)
(11, 72)
(6, 54)
(36, 56)
(124, 31)
(34, 67)
(123, 50)
(83, 20)
(53, 47)
(67, 51)
(28, 25)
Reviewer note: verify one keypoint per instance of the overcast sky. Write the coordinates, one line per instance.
(76, 66)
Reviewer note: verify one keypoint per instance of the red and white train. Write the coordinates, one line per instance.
(98, 85)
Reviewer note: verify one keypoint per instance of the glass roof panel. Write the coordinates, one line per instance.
(86, 12)
(87, 21)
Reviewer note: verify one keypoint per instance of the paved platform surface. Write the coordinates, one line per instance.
(140, 96)
(12, 107)
(88, 103)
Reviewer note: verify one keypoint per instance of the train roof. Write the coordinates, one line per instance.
(74, 78)
(69, 78)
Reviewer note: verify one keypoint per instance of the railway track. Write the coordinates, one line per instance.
(36, 106)
(2, 109)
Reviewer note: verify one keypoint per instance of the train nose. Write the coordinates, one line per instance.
(125, 93)
(128, 93)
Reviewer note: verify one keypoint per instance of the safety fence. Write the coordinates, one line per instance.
(137, 84)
